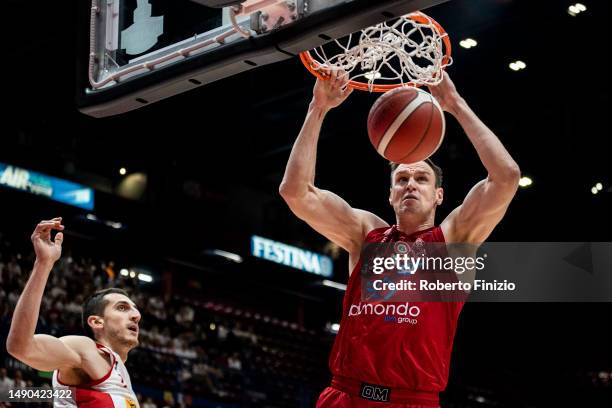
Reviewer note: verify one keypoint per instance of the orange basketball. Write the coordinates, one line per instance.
(406, 125)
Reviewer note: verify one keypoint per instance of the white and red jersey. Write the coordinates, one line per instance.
(114, 390)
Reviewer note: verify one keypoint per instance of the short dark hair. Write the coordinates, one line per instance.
(436, 169)
(95, 304)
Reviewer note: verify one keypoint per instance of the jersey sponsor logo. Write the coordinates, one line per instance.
(383, 309)
(395, 319)
(375, 392)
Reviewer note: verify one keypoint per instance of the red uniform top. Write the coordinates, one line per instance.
(377, 348)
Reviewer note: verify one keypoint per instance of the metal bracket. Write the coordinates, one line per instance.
(277, 15)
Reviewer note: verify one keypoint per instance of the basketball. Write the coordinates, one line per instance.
(406, 125)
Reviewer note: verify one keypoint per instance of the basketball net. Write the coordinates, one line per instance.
(413, 50)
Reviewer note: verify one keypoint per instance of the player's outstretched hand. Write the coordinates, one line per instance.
(48, 250)
(331, 92)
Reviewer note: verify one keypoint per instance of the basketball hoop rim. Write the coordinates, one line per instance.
(313, 66)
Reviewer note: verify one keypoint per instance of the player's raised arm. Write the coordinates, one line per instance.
(486, 203)
(42, 352)
(323, 210)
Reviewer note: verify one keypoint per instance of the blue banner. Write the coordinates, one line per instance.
(291, 256)
(51, 187)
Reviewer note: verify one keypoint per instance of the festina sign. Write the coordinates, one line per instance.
(291, 256)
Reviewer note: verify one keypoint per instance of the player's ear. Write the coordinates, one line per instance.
(95, 322)
(439, 195)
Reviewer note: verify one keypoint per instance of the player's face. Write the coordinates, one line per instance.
(413, 189)
(121, 319)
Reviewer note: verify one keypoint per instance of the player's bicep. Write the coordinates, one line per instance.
(49, 353)
(483, 208)
(331, 216)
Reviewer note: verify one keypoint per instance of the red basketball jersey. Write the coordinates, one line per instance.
(380, 349)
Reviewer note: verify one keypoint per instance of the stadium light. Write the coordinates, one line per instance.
(468, 43)
(113, 224)
(145, 277)
(227, 255)
(525, 181)
(122, 171)
(576, 9)
(332, 284)
(517, 65)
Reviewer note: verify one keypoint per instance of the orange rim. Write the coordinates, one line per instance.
(312, 65)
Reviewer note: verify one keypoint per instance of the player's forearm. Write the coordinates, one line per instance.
(300, 170)
(492, 153)
(25, 316)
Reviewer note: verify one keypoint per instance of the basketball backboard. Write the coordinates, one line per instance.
(143, 51)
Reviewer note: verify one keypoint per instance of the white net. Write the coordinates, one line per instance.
(399, 52)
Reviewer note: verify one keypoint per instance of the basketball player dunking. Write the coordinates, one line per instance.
(396, 365)
(92, 368)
